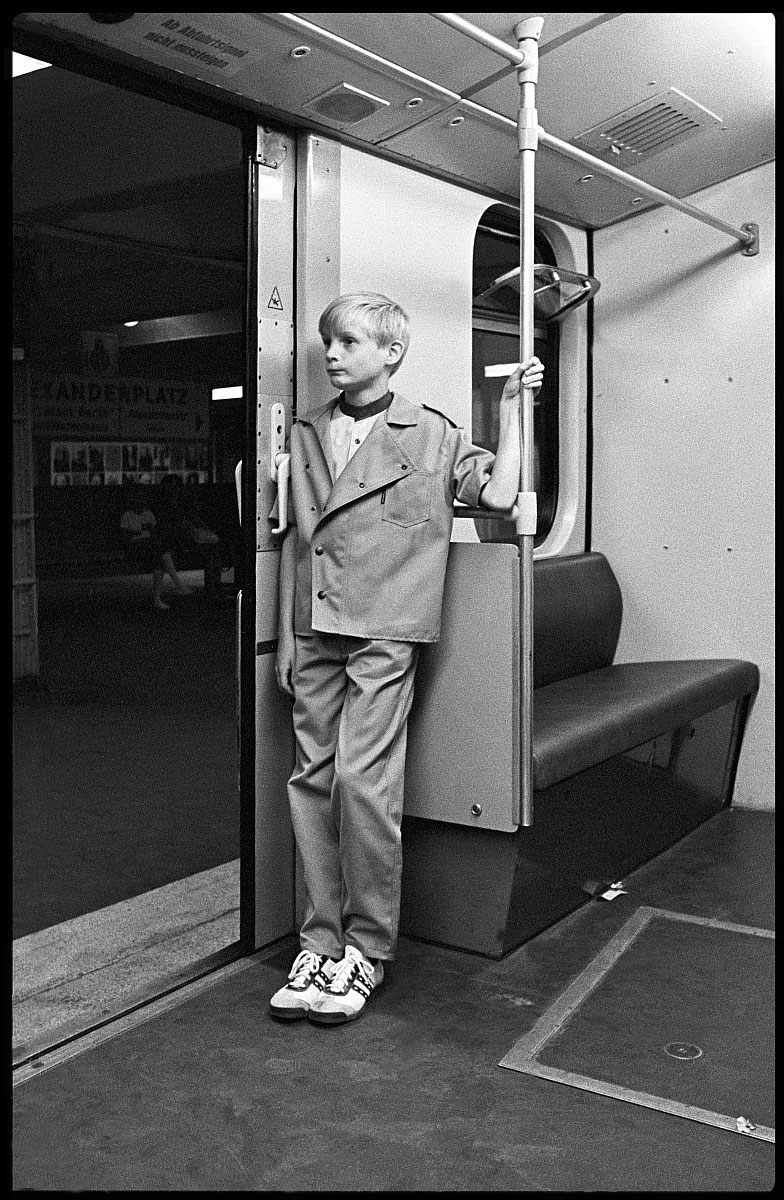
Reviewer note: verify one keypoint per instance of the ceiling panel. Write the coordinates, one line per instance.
(296, 82)
(426, 46)
(593, 66)
(483, 150)
(723, 61)
(416, 41)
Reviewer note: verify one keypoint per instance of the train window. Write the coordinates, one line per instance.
(496, 340)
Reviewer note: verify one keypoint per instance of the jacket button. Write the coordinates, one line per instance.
(319, 550)
(321, 595)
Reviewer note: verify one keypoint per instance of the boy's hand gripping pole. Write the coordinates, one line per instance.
(527, 33)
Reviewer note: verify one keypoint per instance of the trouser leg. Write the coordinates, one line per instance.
(369, 776)
(319, 690)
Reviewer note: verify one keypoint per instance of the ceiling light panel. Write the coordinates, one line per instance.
(214, 323)
(346, 105)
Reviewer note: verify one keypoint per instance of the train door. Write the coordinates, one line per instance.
(153, 280)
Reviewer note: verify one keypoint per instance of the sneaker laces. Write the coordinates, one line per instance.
(305, 965)
(351, 962)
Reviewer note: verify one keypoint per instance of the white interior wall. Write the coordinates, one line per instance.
(683, 469)
(412, 237)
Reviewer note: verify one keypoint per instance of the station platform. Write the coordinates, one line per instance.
(126, 811)
(124, 752)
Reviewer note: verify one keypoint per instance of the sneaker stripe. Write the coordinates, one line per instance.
(355, 981)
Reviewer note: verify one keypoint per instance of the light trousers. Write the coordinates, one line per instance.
(352, 698)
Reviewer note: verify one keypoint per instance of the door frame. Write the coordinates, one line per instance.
(155, 82)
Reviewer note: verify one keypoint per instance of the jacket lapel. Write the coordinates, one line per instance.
(380, 460)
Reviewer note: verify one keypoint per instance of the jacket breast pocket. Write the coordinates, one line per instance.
(407, 501)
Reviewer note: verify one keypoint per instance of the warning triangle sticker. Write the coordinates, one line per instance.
(275, 300)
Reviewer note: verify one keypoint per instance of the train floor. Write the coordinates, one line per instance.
(201, 1091)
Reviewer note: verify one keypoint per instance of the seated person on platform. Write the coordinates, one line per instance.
(181, 524)
(145, 547)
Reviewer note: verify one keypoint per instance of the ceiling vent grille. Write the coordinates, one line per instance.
(648, 128)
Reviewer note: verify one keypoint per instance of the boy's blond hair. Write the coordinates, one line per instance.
(383, 319)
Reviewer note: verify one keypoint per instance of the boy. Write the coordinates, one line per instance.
(373, 479)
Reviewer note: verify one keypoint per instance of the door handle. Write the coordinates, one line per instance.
(280, 463)
(282, 472)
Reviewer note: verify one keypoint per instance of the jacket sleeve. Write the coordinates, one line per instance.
(471, 468)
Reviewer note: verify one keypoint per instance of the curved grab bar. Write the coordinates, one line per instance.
(589, 285)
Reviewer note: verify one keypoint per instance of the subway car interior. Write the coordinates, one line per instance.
(582, 996)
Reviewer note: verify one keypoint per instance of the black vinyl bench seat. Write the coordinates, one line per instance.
(589, 718)
(587, 710)
(627, 757)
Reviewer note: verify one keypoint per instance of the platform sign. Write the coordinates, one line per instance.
(164, 409)
(66, 406)
(81, 406)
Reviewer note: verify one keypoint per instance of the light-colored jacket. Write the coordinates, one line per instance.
(373, 546)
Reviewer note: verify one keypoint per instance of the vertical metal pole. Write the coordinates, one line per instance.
(527, 33)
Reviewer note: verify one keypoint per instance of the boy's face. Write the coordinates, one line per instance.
(355, 361)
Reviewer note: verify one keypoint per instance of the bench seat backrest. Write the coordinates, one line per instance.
(577, 616)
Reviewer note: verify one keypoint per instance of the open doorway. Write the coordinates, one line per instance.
(129, 289)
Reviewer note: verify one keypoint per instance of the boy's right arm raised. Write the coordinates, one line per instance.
(284, 663)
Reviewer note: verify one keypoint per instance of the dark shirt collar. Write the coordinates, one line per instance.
(361, 412)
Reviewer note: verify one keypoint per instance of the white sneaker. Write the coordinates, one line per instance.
(308, 977)
(352, 985)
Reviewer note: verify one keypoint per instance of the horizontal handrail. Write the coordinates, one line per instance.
(744, 235)
(478, 35)
(747, 235)
(485, 514)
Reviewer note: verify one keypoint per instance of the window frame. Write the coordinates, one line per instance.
(502, 220)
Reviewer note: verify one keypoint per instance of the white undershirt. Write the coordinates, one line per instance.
(346, 436)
